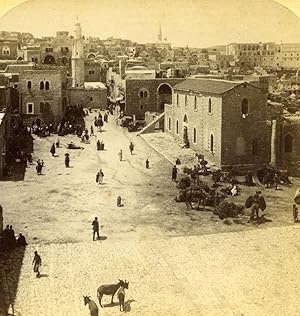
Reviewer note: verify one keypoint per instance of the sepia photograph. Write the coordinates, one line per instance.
(149, 157)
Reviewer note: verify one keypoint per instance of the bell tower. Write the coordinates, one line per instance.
(77, 58)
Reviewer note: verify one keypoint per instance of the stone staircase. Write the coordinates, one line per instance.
(151, 127)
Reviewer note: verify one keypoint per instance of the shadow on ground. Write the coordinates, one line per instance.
(10, 268)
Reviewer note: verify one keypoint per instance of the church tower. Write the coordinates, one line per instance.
(77, 58)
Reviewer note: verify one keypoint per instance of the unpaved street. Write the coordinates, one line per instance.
(152, 241)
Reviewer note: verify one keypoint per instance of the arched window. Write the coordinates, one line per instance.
(177, 127)
(29, 84)
(42, 85)
(209, 106)
(244, 108)
(170, 124)
(185, 100)
(91, 99)
(47, 106)
(288, 143)
(145, 94)
(211, 143)
(194, 135)
(177, 98)
(47, 85)
(195, 103)
(141, 94)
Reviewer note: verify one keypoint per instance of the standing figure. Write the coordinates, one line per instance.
(94, 311)
(256, 202)
(52, 150)
(147, 163)
(67, 160)
(92, 131)
(120, 155)
(119, 201)
(131, 147)
(276, 181)
(95, 225)
(57, 142)
(295, 213)
(174, 174)
(100, 124)
(99, 177)
(121, 295)
(98, 145)
(37, 262)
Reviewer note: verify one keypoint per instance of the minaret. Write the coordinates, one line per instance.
(159, 36)
(77, 58)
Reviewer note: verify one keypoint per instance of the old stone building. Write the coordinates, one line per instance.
(92, 95)
(57, 51)
(148, 95)
(9, 49)
(223, 120)
(43, 94)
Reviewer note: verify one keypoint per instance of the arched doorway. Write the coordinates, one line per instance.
(164, 96)
(49, 60)
(64, 60)
(185, 135)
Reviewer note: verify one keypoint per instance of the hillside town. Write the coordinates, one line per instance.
(121, 163)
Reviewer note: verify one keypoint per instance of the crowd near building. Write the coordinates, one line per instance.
(237, 104)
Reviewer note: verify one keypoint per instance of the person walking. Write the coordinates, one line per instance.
(67, 160)
(174, 173)
(131, 148)
(120, 155)
(37, 262)
(99, 177)
(147, 163)
(95, 225)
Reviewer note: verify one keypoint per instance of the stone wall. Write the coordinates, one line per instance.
(241, 134)
(135, 104)
(56, 96)
(93, 98)
(291, 159)
(199, 122)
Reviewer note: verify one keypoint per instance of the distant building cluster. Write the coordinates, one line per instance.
(227, 102)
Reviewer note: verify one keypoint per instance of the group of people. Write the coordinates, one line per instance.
(9, 240)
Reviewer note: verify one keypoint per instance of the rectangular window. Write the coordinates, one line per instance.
(30, 108)
(177, 99)
(195, 103)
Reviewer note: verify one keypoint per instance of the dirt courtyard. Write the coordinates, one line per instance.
(59, 205)
(178, 261)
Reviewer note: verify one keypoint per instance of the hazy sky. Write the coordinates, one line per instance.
(197, 23)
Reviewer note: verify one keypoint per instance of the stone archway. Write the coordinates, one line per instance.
(164, 96)
(49, 60)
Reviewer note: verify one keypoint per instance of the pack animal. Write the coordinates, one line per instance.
(109, 289)
(94, 311)
(121, 295)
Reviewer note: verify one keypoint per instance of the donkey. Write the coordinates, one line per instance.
(92, 306)
(121, 295)
(109, 289)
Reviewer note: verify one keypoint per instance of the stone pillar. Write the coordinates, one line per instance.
(273, 161)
